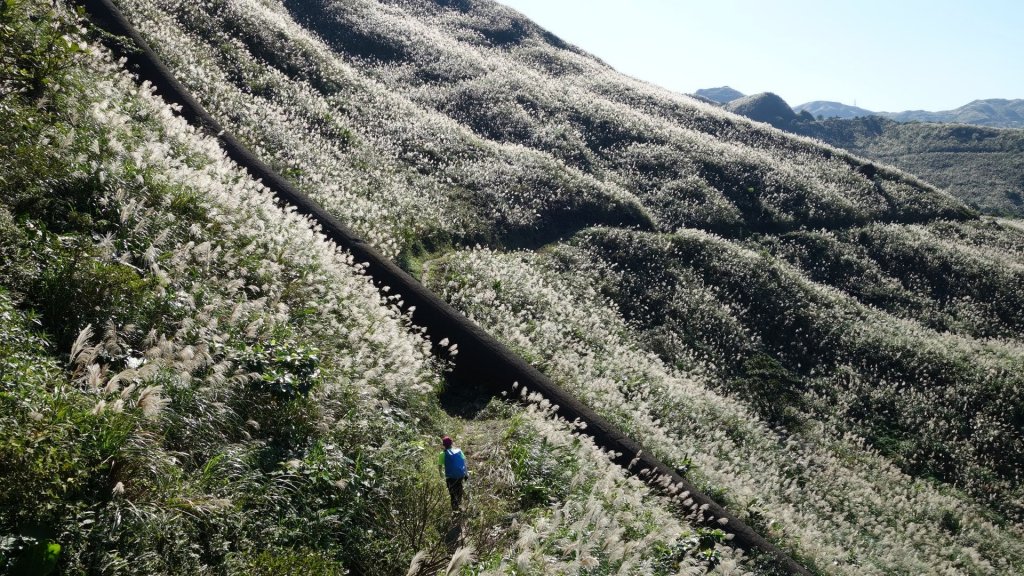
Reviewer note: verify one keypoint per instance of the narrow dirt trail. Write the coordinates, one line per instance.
(486, 515)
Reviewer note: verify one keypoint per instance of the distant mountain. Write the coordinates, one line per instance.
(826, 109)
(978, 164)
(722, 94)
(765, 107)
(993, 112)
(996, 112)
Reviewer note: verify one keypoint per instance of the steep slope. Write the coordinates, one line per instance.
(981, 166)
(588, 153)
(238, 398)
(799, 473)
(450, 123)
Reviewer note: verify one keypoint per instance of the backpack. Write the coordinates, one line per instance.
(454, 463)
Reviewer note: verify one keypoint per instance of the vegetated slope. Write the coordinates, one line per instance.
(194, 381)
(796, 476)
(513, 139)
(765, 107)
(722, 94)
(981, 166)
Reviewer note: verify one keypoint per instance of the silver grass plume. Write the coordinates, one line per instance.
(80, 346)
(461, 557)
(93, 376)
(151, 402)
(416, 564)
(111, 340)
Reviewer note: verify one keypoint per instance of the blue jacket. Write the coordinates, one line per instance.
(454, 462)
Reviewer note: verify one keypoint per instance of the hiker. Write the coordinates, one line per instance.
(451, 463)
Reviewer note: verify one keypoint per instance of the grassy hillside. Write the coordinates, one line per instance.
(830, 347)
(981, 166)
(193, 381)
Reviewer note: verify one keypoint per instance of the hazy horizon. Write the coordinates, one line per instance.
(918, 56)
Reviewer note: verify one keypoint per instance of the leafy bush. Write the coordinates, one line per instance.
(287, 562)
(283, 369)
(540, 476)
(769, 388)
(701, 544)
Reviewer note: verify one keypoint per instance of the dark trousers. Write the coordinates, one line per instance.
(455, 491)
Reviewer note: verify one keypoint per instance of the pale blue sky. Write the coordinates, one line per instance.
(887, 55)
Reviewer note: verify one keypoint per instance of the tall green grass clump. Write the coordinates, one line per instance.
(181, 393)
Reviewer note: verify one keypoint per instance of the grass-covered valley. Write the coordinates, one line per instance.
(194, 380)
(980, 165)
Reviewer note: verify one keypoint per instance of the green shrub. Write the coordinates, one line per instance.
(283, 368)
(768, 387)
(78, 288)
(287, 562)
(540, 475)
(701, 544)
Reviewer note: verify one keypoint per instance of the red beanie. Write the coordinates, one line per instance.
(446, 441)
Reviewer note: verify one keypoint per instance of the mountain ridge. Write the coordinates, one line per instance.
(980, 165)
(991, 112)
(827, 109)
(722, 94)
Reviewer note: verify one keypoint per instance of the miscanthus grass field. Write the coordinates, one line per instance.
(194, 380)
